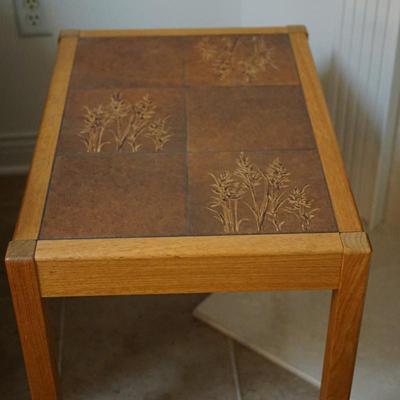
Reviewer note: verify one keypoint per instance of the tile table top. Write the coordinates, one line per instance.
(185, 136)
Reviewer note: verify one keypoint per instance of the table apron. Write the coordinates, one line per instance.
(122, 277)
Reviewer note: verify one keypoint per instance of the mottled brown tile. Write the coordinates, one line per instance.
(8, 219)
(13, 383)
(4, 288)
(144, 348)
(146, 109)
(128, 62)
(239, 60)
(235, 119)
(304, 169)
(11, 189)
(101, 195)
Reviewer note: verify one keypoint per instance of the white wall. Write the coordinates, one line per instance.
(364, 99)
(25, 68)
(392, 216)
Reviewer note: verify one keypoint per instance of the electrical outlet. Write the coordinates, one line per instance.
(33, 17)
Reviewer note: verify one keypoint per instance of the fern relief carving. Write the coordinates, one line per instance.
(121, 123)
(243, 56)
(265, 193)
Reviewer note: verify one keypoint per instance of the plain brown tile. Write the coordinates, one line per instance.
(304, 168)
(143, 347)
(262, 379)
(245, 119)
(128, 62)
(199, 72)
(123, 195)
(169, 104)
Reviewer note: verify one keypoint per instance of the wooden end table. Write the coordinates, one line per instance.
(182, 161)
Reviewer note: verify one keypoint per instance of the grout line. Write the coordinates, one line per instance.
(61, 338)
(185, 235)
(169, 153)
(244, 341)
(235, 374)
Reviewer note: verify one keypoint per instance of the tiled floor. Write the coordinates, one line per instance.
(137, 347)
(271, 319)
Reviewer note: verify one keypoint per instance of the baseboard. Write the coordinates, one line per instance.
(16, 151)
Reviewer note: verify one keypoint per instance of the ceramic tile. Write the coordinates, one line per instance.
(291, 326)
(128, 62)
(245, 119)
(4, 288)
(260, 379)
(131, 122)
(144, 347)
(221, 197)
(239, 60)
(145, 120)
(53, 309)
(8, 218)
(13, 383)
(376, 375)
(11, 189)
(101, 195)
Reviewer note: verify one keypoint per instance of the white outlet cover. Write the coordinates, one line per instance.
(34, 17)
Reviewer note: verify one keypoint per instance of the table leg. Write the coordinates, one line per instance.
(345, 318)
(31, 320)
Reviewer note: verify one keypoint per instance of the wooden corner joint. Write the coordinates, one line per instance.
(298, 28)
(356, 243)
(20, 251)
(68, 33)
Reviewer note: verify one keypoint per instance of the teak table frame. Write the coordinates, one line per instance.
(96, 267)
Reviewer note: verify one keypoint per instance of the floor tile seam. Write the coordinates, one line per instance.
(234, 368)
(61, 337)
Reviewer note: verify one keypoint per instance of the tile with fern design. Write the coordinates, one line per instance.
(185, 135)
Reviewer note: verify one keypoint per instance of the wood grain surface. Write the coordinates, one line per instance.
(345, 318)
(31, 320)
(190, 32)
(188, 264)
